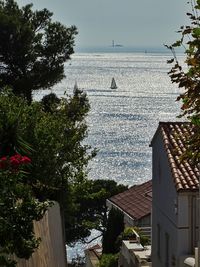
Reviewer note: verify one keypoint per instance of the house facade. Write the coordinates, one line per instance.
(174, 201)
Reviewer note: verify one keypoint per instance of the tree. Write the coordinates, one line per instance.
(109, 243)
(55, 131)
(55, 136)
(88, 210)
(33, 49)
(19, 206)
(187, 77)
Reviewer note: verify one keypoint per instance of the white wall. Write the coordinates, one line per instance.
(163, 205)
(128, 220)
(173, 212)
(187, 223)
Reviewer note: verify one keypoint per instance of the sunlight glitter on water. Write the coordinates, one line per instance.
(122, 122)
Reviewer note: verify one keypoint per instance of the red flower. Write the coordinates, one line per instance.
(15, 161)
(26, 160)
(17, 157)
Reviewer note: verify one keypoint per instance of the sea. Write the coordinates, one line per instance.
(122, 122)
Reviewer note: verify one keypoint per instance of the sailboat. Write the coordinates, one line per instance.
(113, 84)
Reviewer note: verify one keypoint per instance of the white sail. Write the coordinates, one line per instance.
(113, 84)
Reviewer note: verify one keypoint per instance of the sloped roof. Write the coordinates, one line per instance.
(186, 176)
(136, 201)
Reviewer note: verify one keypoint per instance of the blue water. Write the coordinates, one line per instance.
(122, 122)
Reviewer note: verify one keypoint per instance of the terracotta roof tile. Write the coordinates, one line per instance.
(186, 176)
(136, 201)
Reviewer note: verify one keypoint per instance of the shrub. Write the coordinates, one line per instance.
(109, 260)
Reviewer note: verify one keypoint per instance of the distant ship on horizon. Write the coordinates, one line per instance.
(116, 45)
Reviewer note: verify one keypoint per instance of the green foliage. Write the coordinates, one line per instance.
(50, 102)
(128, 233)
(88, 210)
(187, 78)
(18, 208)
(109, 260)
(58, 155)
(144, 240)
(115, 226)
(33, 48)
(59, 161)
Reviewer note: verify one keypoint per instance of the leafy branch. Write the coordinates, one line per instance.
(188, 78)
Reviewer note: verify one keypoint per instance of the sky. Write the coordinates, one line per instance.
(132, 23)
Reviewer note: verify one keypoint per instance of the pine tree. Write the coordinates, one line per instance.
(115, 226)
(33, 48)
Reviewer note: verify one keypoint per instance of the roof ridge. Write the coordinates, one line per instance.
(174, 122)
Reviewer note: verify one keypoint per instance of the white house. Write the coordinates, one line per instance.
(174, 202)
(135, 203)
